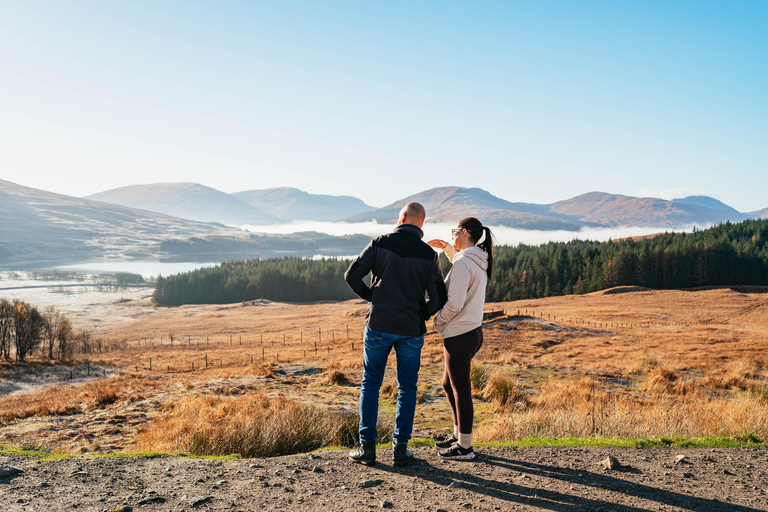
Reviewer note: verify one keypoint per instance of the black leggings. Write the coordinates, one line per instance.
(459, 351)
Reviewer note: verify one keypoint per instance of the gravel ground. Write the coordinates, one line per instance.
(501, 478)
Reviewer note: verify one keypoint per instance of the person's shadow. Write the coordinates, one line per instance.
(557, 500)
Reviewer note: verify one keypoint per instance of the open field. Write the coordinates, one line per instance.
(626, 362)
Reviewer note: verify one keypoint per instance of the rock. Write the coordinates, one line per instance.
(313, 456)
(611, 464)
(296, 471)
(196, 501)
(126, 508)
(370, 483)
(9, 471)
(386, 504)
(255, 466)
(318, 469)
(687, 475)
(80, 473)
(43, 485)
(681, 459)
(221, 482)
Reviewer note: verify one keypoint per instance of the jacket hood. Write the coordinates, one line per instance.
(476, 255)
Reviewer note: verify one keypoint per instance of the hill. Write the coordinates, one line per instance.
(614, 209)
(451, 204)
(762, 214)
(186, 200)
(594, 209)
(41, 228)
(290, 204)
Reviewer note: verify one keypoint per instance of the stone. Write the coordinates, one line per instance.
(386, 504)
(43, 485)
(611, 464)
(196, 501)
(318, 469)
(681, 459)
(9, 471)
(370, 483)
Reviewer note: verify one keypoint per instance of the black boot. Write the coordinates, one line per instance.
(364, 454)
(403, 455)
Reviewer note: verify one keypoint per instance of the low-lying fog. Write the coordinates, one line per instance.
(503, 235)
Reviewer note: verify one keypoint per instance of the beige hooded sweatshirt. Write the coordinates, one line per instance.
(466, 292)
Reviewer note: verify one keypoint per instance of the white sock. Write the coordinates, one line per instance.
(456, 431)
(465, 440)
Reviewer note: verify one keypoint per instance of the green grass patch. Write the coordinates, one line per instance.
(37, 452)
(676, 442)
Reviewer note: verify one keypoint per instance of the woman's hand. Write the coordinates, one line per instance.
(440, 244)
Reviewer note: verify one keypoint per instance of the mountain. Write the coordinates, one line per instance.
(186, 200)
(614, 209)
(290, 204)
(594, 209)
(40, 228)
(761, 214)
(451, 204)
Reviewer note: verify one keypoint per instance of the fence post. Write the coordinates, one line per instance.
(347, 332)
(150, 364)
(206, 361)
(263, 357)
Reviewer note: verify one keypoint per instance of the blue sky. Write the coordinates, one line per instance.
(533, 101)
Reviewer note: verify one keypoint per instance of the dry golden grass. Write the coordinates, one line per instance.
(624, 362)
(583, 408)
(66, 400)
(250, 425)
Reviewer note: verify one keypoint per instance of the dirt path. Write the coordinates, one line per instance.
(547, 479)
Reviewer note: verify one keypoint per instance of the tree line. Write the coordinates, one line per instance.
(281, 279)
(727, 254)
(24, 329)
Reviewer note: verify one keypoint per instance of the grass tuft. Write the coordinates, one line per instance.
(251, 426)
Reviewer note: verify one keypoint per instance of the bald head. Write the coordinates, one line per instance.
(412, 213)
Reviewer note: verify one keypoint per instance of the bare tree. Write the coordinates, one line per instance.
(171, 336)
(6, 329)
(64, 335)
(29, 326)
(53, 320)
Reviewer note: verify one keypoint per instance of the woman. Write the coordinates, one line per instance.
(460, 324)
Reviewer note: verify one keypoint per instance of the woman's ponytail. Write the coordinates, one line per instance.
(476, 232)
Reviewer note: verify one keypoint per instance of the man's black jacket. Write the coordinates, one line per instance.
(403, 268)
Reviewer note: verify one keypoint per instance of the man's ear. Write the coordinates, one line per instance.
(402, 218)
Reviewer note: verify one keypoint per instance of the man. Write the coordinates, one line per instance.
(403, 268)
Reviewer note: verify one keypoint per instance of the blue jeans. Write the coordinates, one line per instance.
(377, 348)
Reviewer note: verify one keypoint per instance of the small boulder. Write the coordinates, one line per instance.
(9, 471)
(611, 464)
(386, 504)
(370, 483)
